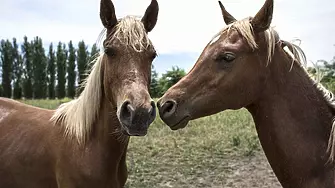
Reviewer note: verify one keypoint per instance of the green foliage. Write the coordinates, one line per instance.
(94, 54)
(27, 54)
(61, 70)
(71, 72)
(330, 68)
(46, 103)
(17, 71)
(158, 86)
(82, 61)
(7, 60)
(329, 83)
(170, 78)
(39, 69)
(1, 91)
(30, 73)
(51, 72)
(154, 86)
(329, 76)
(325, 73)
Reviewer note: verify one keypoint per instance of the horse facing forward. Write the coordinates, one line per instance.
(248, 65)
(84, 142)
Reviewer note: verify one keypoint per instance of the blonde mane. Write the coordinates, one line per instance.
(297, 55)
(78, 116)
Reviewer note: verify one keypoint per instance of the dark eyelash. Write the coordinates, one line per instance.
(227, 57)
(109, 51)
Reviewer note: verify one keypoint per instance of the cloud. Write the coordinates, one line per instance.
(184, 26)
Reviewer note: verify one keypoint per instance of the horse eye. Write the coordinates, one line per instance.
(227, 57)
(109, 51)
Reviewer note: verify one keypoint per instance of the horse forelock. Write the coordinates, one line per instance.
(129, 31)
(244, 28)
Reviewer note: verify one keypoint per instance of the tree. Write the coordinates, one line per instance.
(7, 68)
(1, 59)
(154, 86)
(61, 70)
(330, 70)
(170, 78)
(317, 71)
(82, 61)
(71, 72)
(328, 79)
(27, 52)
(39, 70)
(94, 54)
(17, 71)
(324, 72)
(1, 91)
(51, 72)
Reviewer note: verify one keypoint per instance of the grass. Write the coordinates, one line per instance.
(201, 155)
(179, 158)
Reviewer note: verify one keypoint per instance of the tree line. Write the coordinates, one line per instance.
(29, 71)
(324, 71)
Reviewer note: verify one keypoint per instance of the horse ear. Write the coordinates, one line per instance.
(263, 18)
(107, 14)
(228, 18)
(149, 19)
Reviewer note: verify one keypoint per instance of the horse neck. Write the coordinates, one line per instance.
(107, 126)
(292, 119)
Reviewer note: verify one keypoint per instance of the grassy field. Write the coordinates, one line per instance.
(221, 150)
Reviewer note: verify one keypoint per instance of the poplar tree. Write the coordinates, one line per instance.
(51, 72)
(17, 71)
(61, 70)
(7, 67)
(27, 53)
(71, 72)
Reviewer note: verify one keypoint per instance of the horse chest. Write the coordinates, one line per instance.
(92, 167)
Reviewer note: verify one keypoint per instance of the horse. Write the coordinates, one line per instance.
(247, 65)
(83, 143)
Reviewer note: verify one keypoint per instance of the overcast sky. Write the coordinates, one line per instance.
(184, 26)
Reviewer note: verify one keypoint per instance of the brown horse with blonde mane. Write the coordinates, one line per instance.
(247, 65)
(84, 142)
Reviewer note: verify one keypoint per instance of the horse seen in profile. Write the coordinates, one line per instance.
(247, 65)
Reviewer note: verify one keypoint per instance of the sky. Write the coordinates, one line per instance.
(183, 28)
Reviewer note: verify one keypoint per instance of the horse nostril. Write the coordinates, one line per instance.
(169, 107)
(127, 112)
